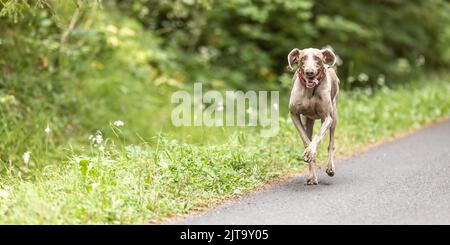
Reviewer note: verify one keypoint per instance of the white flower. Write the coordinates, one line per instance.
(47, 130)
(363, 77)
(118, 123)
(351, 79)
(101, 148)
(26, 157)
(98, 138)
(381, 79)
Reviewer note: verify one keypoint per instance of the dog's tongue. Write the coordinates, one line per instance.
(314, 81)
(310, 83)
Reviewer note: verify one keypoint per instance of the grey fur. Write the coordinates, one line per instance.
(309, 104)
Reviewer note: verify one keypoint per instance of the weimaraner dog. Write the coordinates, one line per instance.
(314, 96)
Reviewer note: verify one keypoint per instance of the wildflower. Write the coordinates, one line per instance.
(98, 138)
(205, 53)
(47, 130)
(363, 77)
(403, 65)
(381, 80)
(101, 148)
(351, 79)
(118, 123)
(26, 157)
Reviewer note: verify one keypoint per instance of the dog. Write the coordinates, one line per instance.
(314, 95)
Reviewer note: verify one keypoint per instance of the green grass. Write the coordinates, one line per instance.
(155, 178)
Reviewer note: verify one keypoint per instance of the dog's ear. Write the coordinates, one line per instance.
(329, 57)
(293, 57)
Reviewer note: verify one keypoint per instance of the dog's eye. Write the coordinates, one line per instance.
(318, 61)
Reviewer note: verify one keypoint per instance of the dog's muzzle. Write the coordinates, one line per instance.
(315, 81)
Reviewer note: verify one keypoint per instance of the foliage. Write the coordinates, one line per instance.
(391, 38)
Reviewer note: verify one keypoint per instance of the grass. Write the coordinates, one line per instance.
(117, 182)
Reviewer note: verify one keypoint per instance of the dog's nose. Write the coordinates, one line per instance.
(309, 73)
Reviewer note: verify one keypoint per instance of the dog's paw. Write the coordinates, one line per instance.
(309, 154)
(311, 180)
(330, 172)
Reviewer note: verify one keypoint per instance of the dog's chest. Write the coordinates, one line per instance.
(307, 104)
(310, 106)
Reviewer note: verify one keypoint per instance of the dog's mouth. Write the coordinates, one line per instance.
(311, 77)
(311, 81)
(310, 84)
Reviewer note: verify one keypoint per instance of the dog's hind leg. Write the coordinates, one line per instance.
(330, 166)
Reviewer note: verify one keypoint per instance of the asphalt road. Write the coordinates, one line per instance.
(406, 181)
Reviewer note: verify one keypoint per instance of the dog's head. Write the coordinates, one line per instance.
(311, 60)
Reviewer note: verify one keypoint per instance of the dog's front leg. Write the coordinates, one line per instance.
(312, 178)
(300, 128)
(310, 151)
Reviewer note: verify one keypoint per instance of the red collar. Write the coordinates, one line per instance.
(316, 80)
